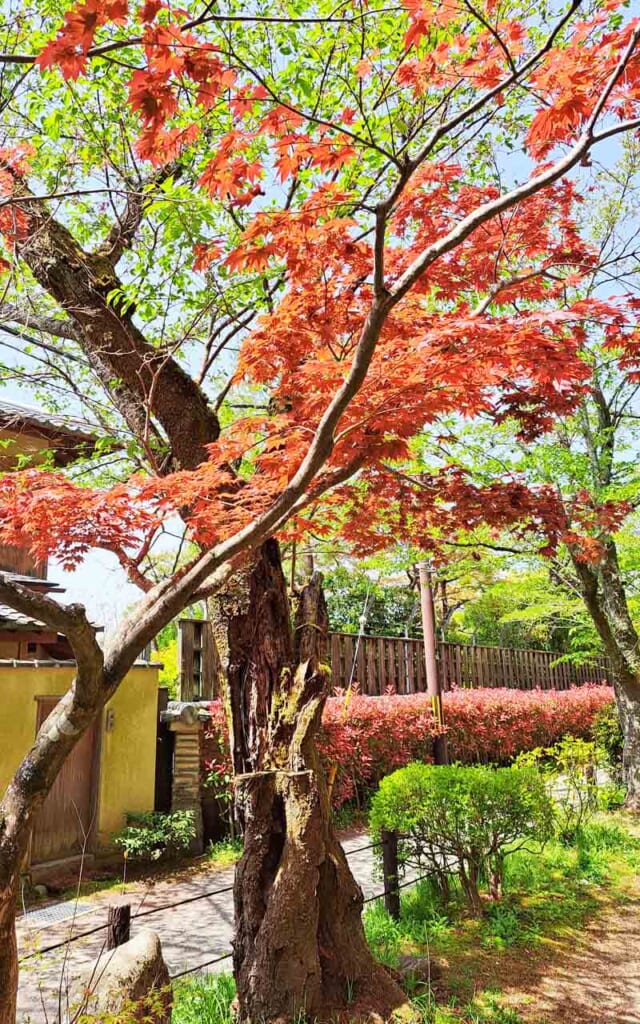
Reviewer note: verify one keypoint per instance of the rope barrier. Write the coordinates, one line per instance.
(134, 917)
(207, 963)
(65, 942)
(181, 903)
(171, 906)
(403, 885)
(361, 849)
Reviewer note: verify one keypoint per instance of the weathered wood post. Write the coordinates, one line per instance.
(118, 925)
(440, 752)
(390, 873)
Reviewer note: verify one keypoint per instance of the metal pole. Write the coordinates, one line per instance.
(440, 754)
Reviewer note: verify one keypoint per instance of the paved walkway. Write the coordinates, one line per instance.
(191, 934)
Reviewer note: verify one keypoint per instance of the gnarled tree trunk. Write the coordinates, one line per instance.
(300, 946)
(605, 598)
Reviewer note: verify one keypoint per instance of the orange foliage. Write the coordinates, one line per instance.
(443, 350)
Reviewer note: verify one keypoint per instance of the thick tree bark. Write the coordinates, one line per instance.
(9, 954)
(300, 946)
(605, 598)
(150, 384)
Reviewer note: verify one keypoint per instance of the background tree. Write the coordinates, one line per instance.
(354, 238)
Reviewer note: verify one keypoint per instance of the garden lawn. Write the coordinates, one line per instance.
(562, 947)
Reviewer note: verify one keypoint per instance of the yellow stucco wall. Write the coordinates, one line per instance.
(127, 750)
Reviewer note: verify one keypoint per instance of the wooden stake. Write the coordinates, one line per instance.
(390, 871)
(118, 925)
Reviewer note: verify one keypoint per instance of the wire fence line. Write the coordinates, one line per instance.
(181, 903)
(178, 903)
(200, 967)
(401, 885)
(369, 899)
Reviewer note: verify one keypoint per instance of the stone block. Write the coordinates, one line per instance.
(130, 983)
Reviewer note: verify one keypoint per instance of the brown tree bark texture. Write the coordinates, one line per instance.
(300, 946)
(604, 595)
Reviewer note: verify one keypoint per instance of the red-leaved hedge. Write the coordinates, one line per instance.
(366, 738)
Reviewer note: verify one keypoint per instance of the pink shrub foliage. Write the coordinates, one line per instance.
(366, 738)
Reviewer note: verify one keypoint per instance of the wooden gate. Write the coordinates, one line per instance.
(64, 824)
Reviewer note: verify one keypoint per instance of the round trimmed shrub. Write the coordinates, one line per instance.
(463, 821)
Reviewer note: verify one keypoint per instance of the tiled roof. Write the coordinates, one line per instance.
(68, 435)
(13, 412)
(16, 620)
(33, 582)
(9, 617)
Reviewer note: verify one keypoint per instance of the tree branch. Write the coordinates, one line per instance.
(68, 619)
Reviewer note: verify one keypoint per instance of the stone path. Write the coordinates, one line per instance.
(191, 934)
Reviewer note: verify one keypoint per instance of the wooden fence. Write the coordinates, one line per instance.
(379, 663)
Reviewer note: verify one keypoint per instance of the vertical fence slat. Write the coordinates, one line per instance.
(398, 663)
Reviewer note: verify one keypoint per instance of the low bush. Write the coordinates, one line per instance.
(463, 821)
(369, 737)
(366, 738)
(151, 834)
(611, 796)
(570, 771)
(607, 734)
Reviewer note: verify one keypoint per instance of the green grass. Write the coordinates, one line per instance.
(225, 852)
(90, 886)
(208, 999)
(548, 897)
(205, 999)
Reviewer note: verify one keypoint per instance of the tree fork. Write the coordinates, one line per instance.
(300, 945)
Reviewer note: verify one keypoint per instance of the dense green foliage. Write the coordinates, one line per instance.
(388, 609)
(500, 600)
(463, 821)
(149, 835)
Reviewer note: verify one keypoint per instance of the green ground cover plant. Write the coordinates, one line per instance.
(225, 852)
(152, 834)
(204, 999)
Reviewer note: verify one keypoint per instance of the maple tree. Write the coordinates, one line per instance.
(572, 495)
(329, 191)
